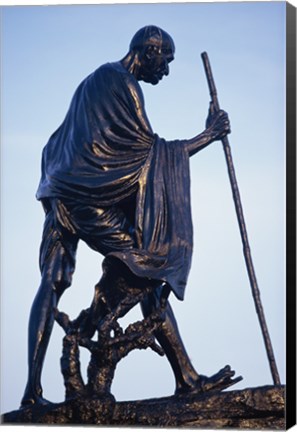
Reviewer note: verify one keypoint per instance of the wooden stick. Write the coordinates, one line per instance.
(242, 227)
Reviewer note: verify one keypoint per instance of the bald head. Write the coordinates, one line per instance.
(151, 51)
(151, 35)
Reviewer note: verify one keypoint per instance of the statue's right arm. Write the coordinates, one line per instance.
(218, 127)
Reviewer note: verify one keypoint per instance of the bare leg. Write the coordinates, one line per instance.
(169, 338)
(40, 328)
(57, 266)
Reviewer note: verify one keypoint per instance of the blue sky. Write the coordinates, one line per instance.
(46, 52)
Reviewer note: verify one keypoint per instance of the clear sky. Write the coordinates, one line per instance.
(46, 52)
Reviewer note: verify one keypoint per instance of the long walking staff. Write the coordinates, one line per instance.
(242, 227)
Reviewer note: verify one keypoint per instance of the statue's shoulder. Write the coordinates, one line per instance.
(117, 79)
(113, 69)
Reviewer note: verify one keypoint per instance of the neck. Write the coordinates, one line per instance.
(131, 63)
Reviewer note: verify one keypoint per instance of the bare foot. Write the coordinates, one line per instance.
(29, 400)
(216, 383)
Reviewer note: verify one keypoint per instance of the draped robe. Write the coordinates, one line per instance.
(105, 152)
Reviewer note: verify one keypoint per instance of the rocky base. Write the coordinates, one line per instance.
(251, 408)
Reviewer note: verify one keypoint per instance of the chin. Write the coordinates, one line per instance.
(155, 80)
(151, 80)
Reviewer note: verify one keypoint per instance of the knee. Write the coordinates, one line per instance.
(58, 279)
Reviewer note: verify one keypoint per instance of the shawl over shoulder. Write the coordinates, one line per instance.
(105, 151)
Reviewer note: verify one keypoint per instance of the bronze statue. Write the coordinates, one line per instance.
(109, 180)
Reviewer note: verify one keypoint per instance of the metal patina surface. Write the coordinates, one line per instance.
(109, 180)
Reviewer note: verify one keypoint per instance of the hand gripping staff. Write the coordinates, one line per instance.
(242, 228)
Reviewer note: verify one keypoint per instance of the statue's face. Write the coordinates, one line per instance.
(154, 60)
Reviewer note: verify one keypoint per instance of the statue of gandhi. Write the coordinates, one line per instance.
(109, 180)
